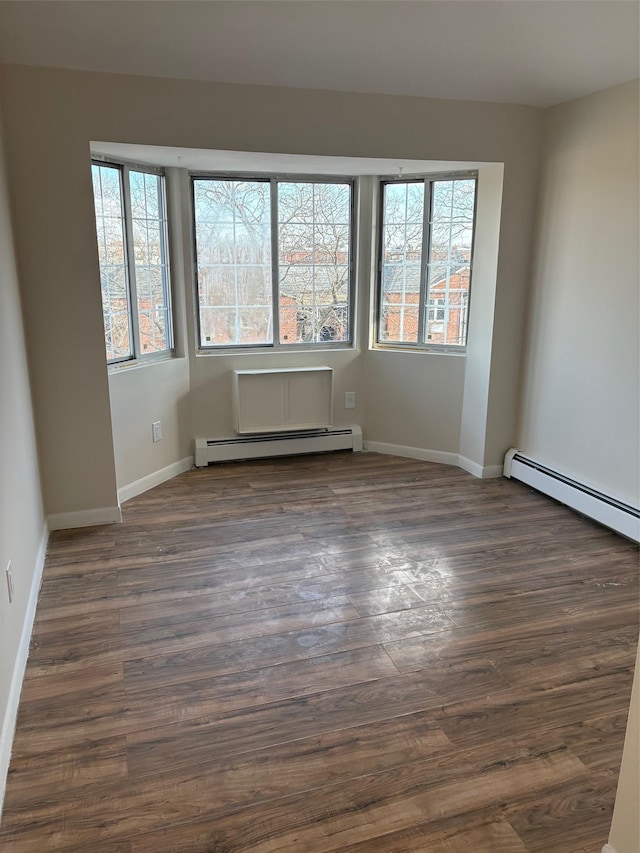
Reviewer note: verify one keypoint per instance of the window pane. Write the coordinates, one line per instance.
(402, 230)
(148, 227)
(233, 256)
(244, 325)
(254, 286)
(314, 237)
(107, 193)
(449, 265)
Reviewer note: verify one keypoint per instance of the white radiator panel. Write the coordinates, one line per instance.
(282, 399)
(621, 517)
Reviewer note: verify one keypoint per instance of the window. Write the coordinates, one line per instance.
(273, 260)
(426, 255)
(131, 225)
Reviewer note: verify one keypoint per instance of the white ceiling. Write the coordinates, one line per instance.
(536, 52)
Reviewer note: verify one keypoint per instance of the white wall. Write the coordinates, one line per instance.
(52, 115)
(581, 379)
(22, 531)
(139, 397)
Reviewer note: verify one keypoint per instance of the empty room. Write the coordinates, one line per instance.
(319, 421)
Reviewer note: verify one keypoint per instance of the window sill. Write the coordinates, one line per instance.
(136, 363)
(273, 352)
(435, 350)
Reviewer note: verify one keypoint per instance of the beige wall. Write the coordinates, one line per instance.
(581, 379)
(625, 828)
(414, 399)
(52, 115)
(140, 396)
(56, 248)
(21, 514)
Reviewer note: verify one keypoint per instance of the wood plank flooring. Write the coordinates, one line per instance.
(343, 652)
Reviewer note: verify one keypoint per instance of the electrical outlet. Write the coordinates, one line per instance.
(156, 427)
(349, 399)
(10, 587)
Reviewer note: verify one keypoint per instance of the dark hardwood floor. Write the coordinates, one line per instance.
(346, 652)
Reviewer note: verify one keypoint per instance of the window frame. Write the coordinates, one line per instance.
(124, 167)
(273, 180)
(421, 345)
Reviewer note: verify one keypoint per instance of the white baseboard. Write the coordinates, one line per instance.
(489, 472)
(412, 452)
(20, 663)
(483, 473)
(441, 456)
(608, 849)
(470, 466)
(85, 518)
(131, 490)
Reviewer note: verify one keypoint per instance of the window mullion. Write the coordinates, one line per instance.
(275, 265)
(166, 263)
(134, 325)
(380, 224)
(355, 192)
(424, 266)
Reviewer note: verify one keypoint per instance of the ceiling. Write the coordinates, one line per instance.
(536, 52)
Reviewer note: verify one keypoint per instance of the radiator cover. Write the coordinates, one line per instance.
(282, 400)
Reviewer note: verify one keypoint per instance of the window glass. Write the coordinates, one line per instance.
(310, 268)
(110, 228)
(150, 259)
(233, 251)
(403, 217)
(131, 229)
(449, 267)
(423, 301)
(313, 261)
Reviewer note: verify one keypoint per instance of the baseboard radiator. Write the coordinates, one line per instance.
(276, 444)
(619, 516)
